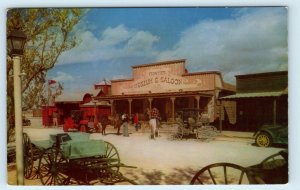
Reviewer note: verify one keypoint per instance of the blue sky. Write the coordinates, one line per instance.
(231, 40)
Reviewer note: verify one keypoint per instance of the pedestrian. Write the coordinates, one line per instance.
(117, 122)
(136, 121)
(55, 115)
(125, 124)
(153, 122)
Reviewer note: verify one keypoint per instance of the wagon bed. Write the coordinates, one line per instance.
(68, 158)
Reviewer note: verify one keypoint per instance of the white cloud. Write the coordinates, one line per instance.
(63, 77)
(252, 42)
(114, 36)
(114, 43)
(141, 41)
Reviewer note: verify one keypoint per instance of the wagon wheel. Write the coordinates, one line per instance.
(263, 139)
(178, 133)
(109, 174)
(203, 134)
(113, 156)
(52, 165)
(221, 173)
(28, 156)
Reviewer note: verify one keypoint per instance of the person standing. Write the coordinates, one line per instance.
(125, 125)
(55, 115)
(136, 121)
(153, 122)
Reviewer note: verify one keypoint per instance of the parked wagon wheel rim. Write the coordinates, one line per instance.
(263, 139)
(28, 156)
(203, 133)
(201, 179)
(52, 163)
(178, 133)
(113, 155)
(109, 175)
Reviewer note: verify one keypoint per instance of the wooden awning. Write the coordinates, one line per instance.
(157, 95)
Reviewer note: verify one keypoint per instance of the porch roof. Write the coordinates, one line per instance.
(253, 95)
(157, 95)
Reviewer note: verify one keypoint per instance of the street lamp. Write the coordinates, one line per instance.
(15, 41)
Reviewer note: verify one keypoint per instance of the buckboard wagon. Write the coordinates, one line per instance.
(72, 158)
(192, 121)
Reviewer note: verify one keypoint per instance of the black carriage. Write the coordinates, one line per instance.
(192, 121)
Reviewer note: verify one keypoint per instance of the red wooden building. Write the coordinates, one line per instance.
(65, 103)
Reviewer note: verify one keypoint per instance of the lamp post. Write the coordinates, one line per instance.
(16, 40)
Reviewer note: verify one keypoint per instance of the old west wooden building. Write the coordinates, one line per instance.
(168, 86)
(66, 103)
(261, 98)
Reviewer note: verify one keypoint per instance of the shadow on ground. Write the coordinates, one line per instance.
(178, 176)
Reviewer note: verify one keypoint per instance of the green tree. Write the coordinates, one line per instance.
(49, 34)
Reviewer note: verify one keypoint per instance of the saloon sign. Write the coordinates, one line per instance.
(162, 80)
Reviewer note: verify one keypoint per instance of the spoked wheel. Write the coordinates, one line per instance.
(263, 139)
(52, 165)
(203, 134)
(221, 173)
(113, 156)
(206, 132)
(177, 134)
(28, 156)
(109, 174)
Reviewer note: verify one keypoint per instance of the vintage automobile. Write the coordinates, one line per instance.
(270, 134)
(76, 122)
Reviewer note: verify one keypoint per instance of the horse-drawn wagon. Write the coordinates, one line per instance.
(72, 158)
(191, 121)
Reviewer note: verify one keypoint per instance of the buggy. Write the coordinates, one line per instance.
(191, 121)
(72, 158)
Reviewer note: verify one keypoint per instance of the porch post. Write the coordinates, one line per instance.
(173, 108)
(129, 101)
(221, 115)
(112, 107)
(198, 100)
(150, 102)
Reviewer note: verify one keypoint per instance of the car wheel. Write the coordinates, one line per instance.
(263, 139)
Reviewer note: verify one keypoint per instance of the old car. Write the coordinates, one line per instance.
(268, 135)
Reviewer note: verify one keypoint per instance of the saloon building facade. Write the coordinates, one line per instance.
(168, 87)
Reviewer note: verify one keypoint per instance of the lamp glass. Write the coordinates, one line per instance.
(16, 41)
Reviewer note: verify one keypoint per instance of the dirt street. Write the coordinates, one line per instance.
(162, 161)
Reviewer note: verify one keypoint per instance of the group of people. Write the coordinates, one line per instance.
(123, 122)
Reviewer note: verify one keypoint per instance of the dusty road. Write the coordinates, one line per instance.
(163, 161)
